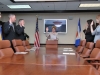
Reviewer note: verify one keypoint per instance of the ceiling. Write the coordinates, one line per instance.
(47, 6)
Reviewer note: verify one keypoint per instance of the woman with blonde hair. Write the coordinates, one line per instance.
(52, 35)
(96, 32)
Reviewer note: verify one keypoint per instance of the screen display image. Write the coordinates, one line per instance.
(61, 25)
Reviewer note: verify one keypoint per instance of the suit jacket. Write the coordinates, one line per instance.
(19, 32)
(9, 31)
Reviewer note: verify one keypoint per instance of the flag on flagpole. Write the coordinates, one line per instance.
(78, 34)
(37, 39)
(0, 32)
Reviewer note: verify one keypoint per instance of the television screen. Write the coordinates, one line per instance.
(61, 25)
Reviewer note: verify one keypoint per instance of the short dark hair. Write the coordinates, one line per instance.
(20, 20)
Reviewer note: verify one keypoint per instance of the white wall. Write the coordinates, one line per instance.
(69, 38)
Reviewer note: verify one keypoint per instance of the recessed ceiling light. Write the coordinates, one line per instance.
(89, 5)
(18, 6)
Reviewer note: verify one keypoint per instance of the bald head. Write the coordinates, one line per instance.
(12, 17)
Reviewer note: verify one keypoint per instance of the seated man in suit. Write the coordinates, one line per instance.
(52, 35)
(20, 29)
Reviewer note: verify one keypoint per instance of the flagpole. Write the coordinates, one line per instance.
(81, 30)
(34, 45)
(36, 16)
(37, 42)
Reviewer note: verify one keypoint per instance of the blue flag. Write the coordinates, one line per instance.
(78, 34)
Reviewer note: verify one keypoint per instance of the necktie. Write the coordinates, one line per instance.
(13, 27)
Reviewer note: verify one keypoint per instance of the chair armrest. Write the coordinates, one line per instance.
(83, 56)
(79, 52)
(91, 59)
(96, 64)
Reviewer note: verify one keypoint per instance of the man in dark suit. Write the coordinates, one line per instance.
(19, 29)
(9, 29)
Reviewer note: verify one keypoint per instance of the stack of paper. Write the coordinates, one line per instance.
(21, 52)
(72, 53)
(70, 50)
(69, 53)
(67, 48)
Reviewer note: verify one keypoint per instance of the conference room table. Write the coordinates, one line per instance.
(46, 62)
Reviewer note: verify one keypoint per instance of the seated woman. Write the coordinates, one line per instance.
(87, 31)
(52, 35)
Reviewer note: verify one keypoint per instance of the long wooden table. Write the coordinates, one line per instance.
(46, 62)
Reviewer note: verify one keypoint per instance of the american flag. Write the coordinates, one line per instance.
(37, 39)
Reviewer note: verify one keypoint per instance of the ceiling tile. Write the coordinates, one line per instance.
(88, 8)
(81, 8)
(48, 6)
(60, 5)
(72, 5)
(4, 8)
(6, 1)
(36, 6)
(93, 8)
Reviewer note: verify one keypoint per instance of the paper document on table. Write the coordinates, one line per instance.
(32, 49)
(21, 53)
(67, 48)
(70, 50)
(66, 53)
(72, 53)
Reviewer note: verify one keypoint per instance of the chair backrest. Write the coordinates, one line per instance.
(18, 45)
(5, 48)
(81, 46)
(97, 45)
(96, 51)
(26, 44)
(88, 49)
